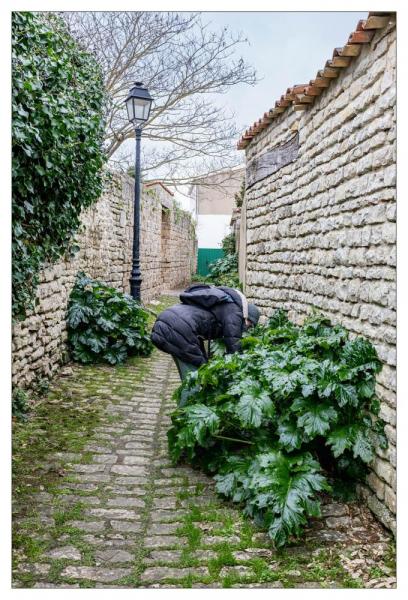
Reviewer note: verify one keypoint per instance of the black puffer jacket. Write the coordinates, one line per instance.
(206, 312)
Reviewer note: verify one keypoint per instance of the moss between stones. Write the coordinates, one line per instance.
(63, 422)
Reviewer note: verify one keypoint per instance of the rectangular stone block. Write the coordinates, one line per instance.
(95, 573)
(162, 573)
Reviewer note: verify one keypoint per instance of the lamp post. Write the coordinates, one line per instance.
(138, 105)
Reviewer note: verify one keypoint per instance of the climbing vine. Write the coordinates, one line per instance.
(57, 105)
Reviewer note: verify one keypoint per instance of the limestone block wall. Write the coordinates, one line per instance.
(321, 230)
(105, 242)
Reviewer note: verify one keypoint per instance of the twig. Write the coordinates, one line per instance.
(223, 437)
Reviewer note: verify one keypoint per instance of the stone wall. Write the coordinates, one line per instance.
(168, 258)
(321, 230)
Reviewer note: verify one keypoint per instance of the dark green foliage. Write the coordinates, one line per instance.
(105, 325)
(240, 195)
(291, 416)
(224, 271)
(19, 403)
(228, 244)
(57, 106)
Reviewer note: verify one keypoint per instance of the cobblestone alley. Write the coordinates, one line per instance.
(98, 503)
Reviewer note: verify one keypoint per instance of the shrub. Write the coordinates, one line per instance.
(19, 403)
(57, 107)
(293, 415)
(104, 324)
(224, 271)
(228, 244)
(240, 195)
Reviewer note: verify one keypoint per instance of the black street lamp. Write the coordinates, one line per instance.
(138, 105)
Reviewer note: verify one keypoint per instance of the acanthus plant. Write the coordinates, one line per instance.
(293, 415)
(104, 324)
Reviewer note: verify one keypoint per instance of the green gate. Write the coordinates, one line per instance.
(207, 256)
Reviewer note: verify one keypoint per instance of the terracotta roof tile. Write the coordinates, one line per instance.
(301, 96)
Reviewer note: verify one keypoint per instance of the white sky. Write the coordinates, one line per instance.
(286, 48)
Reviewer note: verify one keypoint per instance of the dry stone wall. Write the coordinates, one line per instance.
(321, 230)
(168, 258)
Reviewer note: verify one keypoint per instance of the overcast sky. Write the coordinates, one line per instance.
(286, 48)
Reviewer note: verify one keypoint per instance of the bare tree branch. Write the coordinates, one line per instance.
(185, 65)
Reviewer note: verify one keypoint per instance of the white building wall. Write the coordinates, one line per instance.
(186, 196)
(211, 229)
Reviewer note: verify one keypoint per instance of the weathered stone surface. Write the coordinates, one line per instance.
(125, 526)
(163, 528)
(165, 503)
(34, 568)
(163, 541)
(161, 573)
(163, 556)
(128, 470)
(114, 556)
(91, 526)
(321, 230)
(119, 501)
(69, 552)
(167, 256)
(95, 573)
(250, 553)
(337, 522)
(88, 468)
(210, 540)
(334, 510)
(112, 513)
(238, 570)
(127, 520)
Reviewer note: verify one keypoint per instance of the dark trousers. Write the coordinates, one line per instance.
(183, 368)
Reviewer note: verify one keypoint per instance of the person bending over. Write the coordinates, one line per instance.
(206, 313)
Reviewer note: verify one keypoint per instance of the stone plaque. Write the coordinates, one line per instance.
(271, 161)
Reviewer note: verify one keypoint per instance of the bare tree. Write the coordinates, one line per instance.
(185, 64)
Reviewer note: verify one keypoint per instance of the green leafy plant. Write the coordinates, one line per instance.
(293, 415)
(105, 325)
(58, 104)
(228, 244)
(224, 271)
(240, 195)
(19, 403)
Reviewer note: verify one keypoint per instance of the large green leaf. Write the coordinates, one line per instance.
(346, 394)
(341, 439)
(290, 436)
(362, 446)
(202, 420)
(315, 419)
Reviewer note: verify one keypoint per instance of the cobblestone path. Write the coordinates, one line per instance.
(109, 510)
